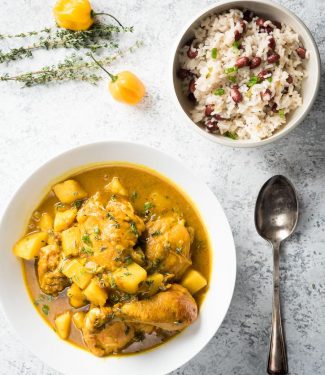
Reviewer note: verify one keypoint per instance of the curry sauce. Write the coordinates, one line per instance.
(144, 190)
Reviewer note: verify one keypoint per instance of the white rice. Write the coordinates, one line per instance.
(252, 118)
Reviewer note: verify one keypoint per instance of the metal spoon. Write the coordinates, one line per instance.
(276, 216)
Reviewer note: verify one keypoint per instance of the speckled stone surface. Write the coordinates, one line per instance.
(38, 123)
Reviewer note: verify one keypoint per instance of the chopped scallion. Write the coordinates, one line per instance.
(219, 92)
(214, 53)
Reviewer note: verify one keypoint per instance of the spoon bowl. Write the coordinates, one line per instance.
(276, 213)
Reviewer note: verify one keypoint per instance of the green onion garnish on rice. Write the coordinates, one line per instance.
(252, 81)
(232, 79)
(214, 53)
(231, 135)
(281, 113)
(269, 79)
(236, 44)
(219, 92)
(231, 70)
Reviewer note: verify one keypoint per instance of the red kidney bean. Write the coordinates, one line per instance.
(208, 110)
(262, 74)
(269, 29)
(255, 62)
(191, 86)
(277, 24)
(218, 117)
(274, 107)
(260, 22)
(248, 15)
(235, 94)
(192, 53)
(191, 97)
(183, 73)
(271, 43)
(266, 95)
(211, 126)
(273, 58)
(289, 79)
(285, 90)
(242, 61)
(301, 51)
(243, 25)
(237, 35)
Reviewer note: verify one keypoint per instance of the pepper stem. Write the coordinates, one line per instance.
(112, 77)
(93, 14)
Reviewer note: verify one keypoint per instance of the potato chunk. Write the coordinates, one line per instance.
(193, 281)
(29, 246)
(77, 273)
(129, 277)
(152, 284)
(70, 241)
(78, 319)
(95, 294)
(46, 222)
(76, 297)
(63, 325)
(69, 191)
(115, 187)
(64, 219)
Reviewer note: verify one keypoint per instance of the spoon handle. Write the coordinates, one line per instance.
(277, 363)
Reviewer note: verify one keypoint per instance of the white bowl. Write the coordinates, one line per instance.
(269, 10)
(42, 340)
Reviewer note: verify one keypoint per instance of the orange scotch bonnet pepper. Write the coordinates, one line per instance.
(76, 15)
(125, 86)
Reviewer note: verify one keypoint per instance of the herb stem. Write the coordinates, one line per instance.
(93, 14)
(112, 77)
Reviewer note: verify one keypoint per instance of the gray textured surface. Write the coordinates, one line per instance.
(38, 123)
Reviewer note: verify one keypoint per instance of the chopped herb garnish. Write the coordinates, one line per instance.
(230, 70)
(86, 250)
(149, 282)
(96, 230)
(236, 44)
(134, 228)
(134, 196)
(231, 135)
(112, 282)
(46, 309)
(253, 81)
(86, 239)
(179, 250)
(269, 79)
(148, 206)
(128, 260)
(232, 79)
(281, 113)
(113, 197)
(214, 53)
(77, 204)
(127, 273)
(219, 92)
(156, 233)
(103, 248)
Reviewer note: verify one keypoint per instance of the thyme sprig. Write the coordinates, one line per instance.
(72, 68)
(26, 34)
(98, 36)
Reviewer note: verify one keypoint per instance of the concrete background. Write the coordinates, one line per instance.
(38, 123)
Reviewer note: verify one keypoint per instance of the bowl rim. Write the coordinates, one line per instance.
(194, 349)
(243, 143)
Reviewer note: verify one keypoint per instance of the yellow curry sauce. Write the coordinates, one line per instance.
(145, 188)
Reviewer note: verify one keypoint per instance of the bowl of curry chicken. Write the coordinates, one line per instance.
(115, 257)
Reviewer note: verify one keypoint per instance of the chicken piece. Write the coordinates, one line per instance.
(168, 245)
(172, 310)
(51, 279)
(109, 233)
(104, 336)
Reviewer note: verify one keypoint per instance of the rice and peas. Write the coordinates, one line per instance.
(244, 73)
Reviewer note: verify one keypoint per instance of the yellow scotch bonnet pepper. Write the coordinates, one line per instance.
(125, 86)
(76, 15)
